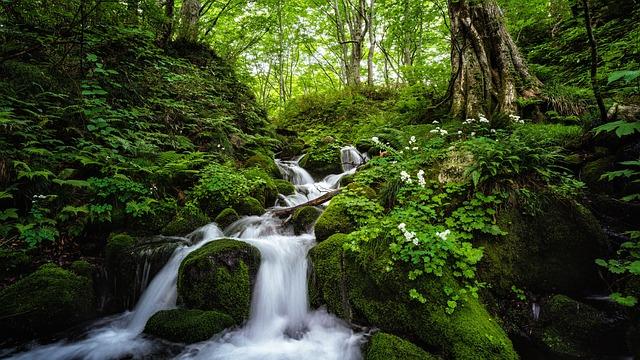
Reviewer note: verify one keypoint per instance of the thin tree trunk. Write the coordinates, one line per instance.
(189, 18)
(489, 74)
(372, 43)
(168, 26)
(594, 62)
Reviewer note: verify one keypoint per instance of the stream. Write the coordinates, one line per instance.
(281, 325)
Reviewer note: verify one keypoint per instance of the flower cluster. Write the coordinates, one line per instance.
(481, 119)
(409, 235)
(405, 177)
(421, 181)
(444, 234)
(439, 131)
(375, 139)
(220, 147)
(516, 119)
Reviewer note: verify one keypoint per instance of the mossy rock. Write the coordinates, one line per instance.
(383, 346)
(220, 276)
(336, 219)
(322, 160)
(262, 186)
(82, 268)
(263, 162)
(13, 263)
(187, 326)
(553, 252)
(284, 187)
(303, 219)
(132, 267)
(361, 291)
(117, 244)
(48, 300)
(249, 206)
(572, 328)
(189, 218)
(227, 217)
(593, 171)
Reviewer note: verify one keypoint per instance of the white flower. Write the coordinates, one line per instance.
(444, 132)
(415, 148)
(435, 122)
(218, 145)
(421, 181)
(416, 242)
(493, 131)
(405, 177)
(407, 148)
(459, 132)
(375, 139)
(413, 139)
(402, 226)
(443, 235)
(473, 133)
(434, 131)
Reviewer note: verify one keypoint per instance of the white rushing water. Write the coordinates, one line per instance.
(281, 325)
(119, 336)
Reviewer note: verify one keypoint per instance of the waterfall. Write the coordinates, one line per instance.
(118, 337)
(351, 158)
(281, 325)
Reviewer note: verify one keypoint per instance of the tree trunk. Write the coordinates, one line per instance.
(488, 72)
(594, 62)
(168, 26)
(372, 43)
(189, 18)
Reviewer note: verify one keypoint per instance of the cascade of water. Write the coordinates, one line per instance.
(281, 326)
(351, 158)
(118, 337)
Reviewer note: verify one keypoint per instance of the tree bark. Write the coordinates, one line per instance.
(594, 62)
(189, 18)
(168, 26)
(372, 43)
(489, 73)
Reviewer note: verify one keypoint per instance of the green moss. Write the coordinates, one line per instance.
(360, 291)
(323, 159)
(553, 252)
(261, 186)
(187, 326)
(383, 346)
(570, 327)
(46, 301)
(116, 245)
(303, 218)
(227, 217)
(284, 187)
(250, 206)
(82, 268)
(13, 262)
(345, 211)
(189, 218)
(593, 170)
(263, 162)
(219, 276)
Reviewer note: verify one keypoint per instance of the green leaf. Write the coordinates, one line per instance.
(634, 267)
(628, 301)
(627, 75)
(621, 128)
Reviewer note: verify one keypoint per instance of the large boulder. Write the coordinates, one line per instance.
(553, 252)
(383, 346)
(303, 219)
(574, 329)
(226, 217)
(220, 276)
(361, 291)
(48, 300)
(323, 159)
(189, 218)
(187, 326)
(132, 263)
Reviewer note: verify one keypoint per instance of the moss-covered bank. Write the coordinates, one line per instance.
(187, 326)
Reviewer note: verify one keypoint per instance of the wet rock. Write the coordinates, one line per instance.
(284, 187)
(303, 219)
(220, 276)
(187, 220)
(226, 217)
(249, 206)
(187, 326)
(48, 300)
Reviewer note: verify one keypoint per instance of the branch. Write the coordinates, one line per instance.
(315, 202)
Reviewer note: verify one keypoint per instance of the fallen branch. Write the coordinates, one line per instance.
(315, 202)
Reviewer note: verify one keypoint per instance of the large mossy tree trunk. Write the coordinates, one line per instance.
(488, 72)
